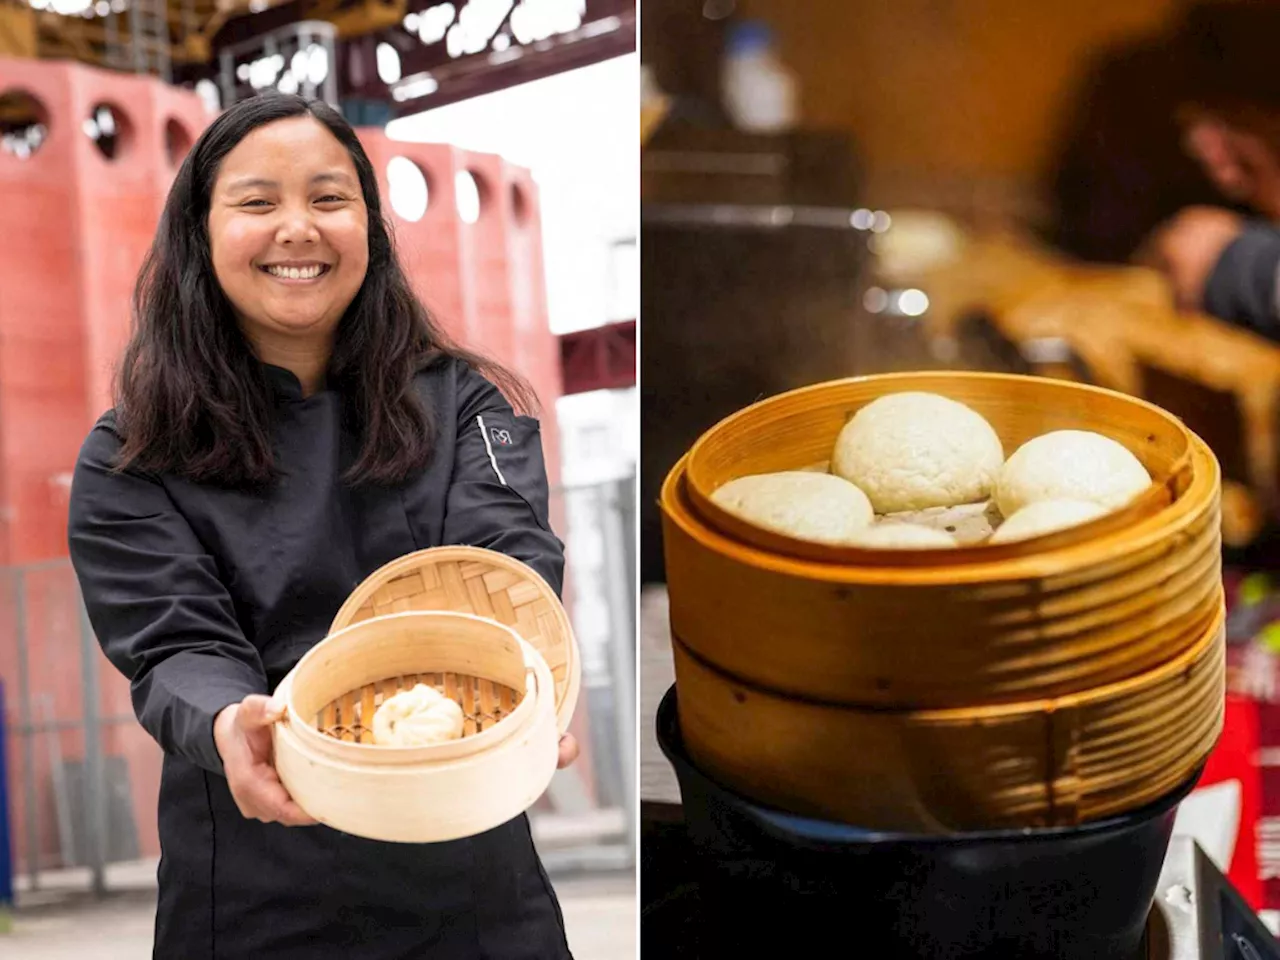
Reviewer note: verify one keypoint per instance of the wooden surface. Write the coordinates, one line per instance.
(484, 583)
(952, 94)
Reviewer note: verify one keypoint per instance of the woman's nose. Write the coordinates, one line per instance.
(297, 227)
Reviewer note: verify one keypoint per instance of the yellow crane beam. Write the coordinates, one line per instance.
(17, 30)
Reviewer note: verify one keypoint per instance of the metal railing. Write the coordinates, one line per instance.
(6, 854)
(45, 616)
(601, 569)
(76, 807)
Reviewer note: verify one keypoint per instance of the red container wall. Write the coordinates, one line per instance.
(484, 280)
(121, 200)
(77, 225)
(41, 300)
(432, 249)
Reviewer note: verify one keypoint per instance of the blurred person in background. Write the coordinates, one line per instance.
(1122, 169)
(288, 418)
(1226, 262)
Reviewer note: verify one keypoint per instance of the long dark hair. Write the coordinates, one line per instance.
(191, 397)
(1229, 64)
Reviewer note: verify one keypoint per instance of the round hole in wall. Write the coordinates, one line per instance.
(177, 142)
(109, 129)
(24, 124)
(407, 188)
(467, 192)
(520, 207)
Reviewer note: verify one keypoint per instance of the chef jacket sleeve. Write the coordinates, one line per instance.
(498, 496)
(1243, 286)
(156, 603)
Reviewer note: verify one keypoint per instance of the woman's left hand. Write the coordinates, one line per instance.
(568, 751)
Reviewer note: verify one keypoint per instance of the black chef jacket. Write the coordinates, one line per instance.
(202, 595)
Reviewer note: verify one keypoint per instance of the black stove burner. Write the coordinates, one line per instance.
(672, 926)
(676, 924)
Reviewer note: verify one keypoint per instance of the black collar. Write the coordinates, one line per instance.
(285, 384)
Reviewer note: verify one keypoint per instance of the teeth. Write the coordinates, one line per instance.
(296, 273)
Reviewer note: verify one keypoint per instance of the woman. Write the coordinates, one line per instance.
(288, 418)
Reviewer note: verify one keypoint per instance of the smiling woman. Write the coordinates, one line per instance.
(290, 240)
(289, 419)
(277, 182)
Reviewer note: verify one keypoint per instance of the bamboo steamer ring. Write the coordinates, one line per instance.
(1057, 762)
(484, 583)
(939, 635)
(421, 794)
(467, 654)
(797, 429)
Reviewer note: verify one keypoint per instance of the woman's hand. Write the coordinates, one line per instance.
(1187, 247)
(568, 751)
(242, 734)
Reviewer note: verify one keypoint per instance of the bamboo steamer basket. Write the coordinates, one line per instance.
(487, 584)
(481, 628)
(985, 624)
(495, 771)
(1061, 761)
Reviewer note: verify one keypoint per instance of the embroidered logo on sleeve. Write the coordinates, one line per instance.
(485, 434)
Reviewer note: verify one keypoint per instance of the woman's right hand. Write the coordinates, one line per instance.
(1187, 247)
(242, 734)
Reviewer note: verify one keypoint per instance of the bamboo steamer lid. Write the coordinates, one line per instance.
(943, 628)
(496, 770)
(1054, 762)
(481, 582)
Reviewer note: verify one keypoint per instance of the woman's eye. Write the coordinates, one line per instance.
(255, 203)
(331, 198)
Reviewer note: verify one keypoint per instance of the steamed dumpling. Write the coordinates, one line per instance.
(417, 717)
(903, 536)
(1046, 516)
(809, 506)
(1070, 465)
(912, 451)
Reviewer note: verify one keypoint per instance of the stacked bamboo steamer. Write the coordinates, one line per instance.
(479, 627)
(1046, 682)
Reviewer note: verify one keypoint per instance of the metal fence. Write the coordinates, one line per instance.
(601, 575)
(6, 854)
(57, 721)
(83, 777)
